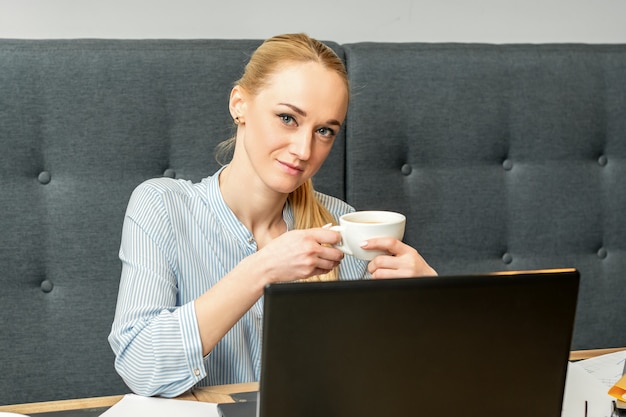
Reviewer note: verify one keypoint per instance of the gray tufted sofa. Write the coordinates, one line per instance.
(502, 156)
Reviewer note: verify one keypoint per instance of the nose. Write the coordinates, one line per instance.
(301, 144)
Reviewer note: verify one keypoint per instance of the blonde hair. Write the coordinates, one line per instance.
(269, 57)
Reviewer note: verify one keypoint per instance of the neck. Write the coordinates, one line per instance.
(260, 210)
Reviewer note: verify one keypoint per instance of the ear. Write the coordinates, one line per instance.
(237, 103)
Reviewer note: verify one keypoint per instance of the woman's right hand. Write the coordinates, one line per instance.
(300, 254)
(294, 255)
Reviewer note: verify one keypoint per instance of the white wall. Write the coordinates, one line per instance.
(505, 21)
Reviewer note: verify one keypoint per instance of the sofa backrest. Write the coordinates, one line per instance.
(503, 157)
(82, 123)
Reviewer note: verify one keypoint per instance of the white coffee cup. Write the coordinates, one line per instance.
(359, 226)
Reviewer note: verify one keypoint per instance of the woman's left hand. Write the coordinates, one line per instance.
(402, 262)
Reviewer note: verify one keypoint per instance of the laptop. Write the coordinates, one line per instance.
(486, 345)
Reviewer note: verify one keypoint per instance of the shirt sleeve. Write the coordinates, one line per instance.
(156, 341)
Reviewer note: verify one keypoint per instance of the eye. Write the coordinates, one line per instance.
(326, 132)
(287, 119)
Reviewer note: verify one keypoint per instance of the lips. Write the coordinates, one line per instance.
(291, 169)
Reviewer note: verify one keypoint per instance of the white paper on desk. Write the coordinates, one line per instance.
(581, 386)
(607, 368)
(137, 406)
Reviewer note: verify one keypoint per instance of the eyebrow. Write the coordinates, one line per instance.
(303, 113)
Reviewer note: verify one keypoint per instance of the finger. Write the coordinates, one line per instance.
(326, 266)
(330, 253)
(325, 236)
(388, 244)
(382, 273)
(386, 266)
(408, 265)
(382, 262)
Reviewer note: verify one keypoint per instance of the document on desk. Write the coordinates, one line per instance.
(137, 406)
(610, 369)
(585, 395)
(607, 368)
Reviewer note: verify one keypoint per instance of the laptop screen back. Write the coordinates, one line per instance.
(489, 345)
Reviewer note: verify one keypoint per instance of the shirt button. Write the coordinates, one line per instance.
(196, 372)
(251, 239)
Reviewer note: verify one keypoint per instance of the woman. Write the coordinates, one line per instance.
(196, 256)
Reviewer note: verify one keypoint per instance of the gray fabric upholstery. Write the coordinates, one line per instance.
(82, 123)
(503, 157)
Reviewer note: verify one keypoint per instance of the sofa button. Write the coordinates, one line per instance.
(44, 177)
(507, 164)
(602, 160)
(507, 258)
(406, 169)
(46, 285)
(170, 173)
(602, 253)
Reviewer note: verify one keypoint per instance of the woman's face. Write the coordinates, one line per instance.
(289, 126)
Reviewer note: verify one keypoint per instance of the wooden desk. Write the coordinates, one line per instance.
(214, 394)
(221, 393)
(577, 355)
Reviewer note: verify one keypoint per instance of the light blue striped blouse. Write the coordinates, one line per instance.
(179, 238)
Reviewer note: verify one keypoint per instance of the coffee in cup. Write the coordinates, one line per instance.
(359, 226)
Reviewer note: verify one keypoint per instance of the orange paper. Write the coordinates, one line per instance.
(619, 389)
